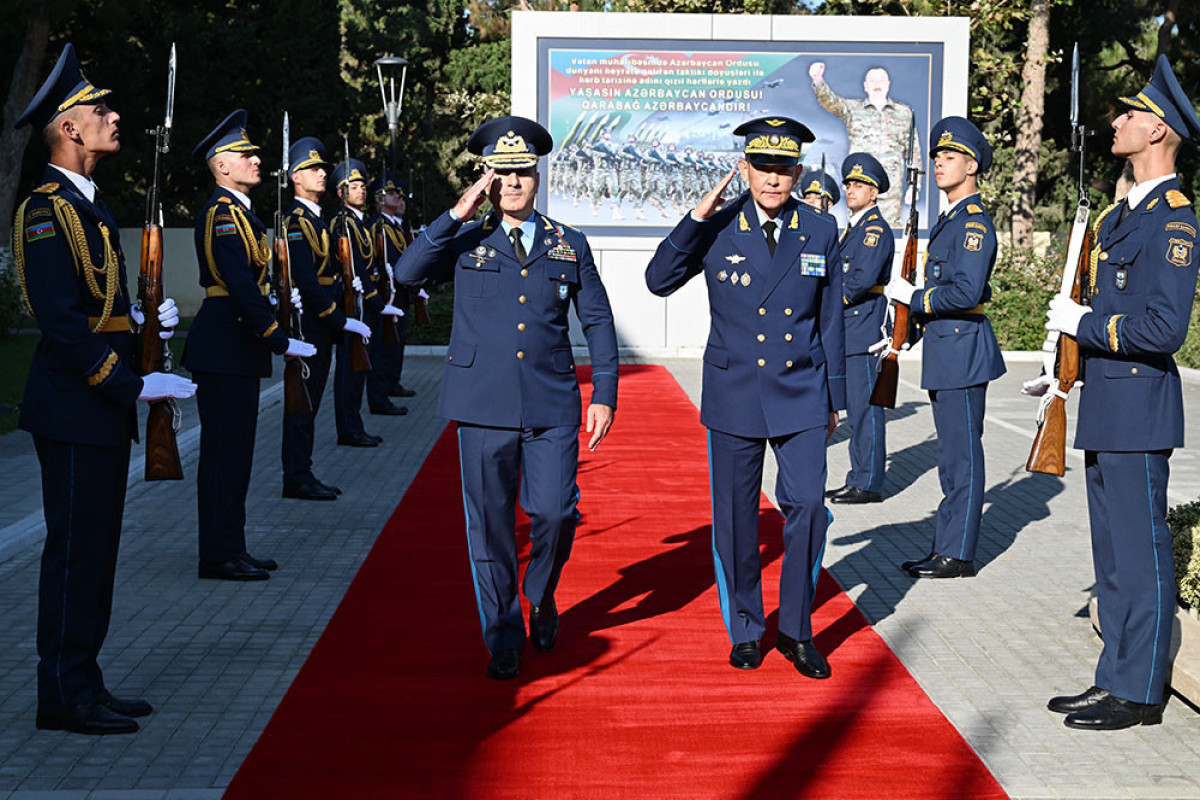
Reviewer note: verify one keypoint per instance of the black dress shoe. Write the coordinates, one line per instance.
(358, 440)
(856, 496)
(835, 492)
(309, 490)
(505, 664)
(378, 439)
(400, 391)
(543, 625)
(327, 486)
(804, 655)
(908, 565)
(745, 656)
(1113, 714)
(1069, 704)
(390, 410)
(943, 567)
(124, 707)
(89, 718)
(235, 569)
(269, 564)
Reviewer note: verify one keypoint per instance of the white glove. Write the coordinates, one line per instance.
(164, 385)
(421, 293)
(168, 318)
(357, 284)
(391, 274)
(299, 348)
(879, 346)
(1064, 314)
(390, 310)
(297, 305)
(135, 311)
(355, 326)
(1038, 386)
(900, 291)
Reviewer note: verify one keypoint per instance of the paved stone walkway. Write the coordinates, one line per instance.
(216, 658)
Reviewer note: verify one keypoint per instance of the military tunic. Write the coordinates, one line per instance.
(387, 358)
(79, 405)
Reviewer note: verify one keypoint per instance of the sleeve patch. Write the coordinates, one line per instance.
(973, 241)
(295, 236)
(104, 370)
(37, 213)
(1181, 226)
(1179, 252)
(979, 226)
(225, 229)
(871, 239)
(38, 231)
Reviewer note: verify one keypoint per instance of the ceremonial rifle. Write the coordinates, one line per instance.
(824, 201)
(888, 379)
(296, 399)
(163, 417)
(360, 361)
(390, 334)
(1060, 352)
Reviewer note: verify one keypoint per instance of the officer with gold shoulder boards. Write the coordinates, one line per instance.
(961, 353)
(229, 349)
(773, 375)
(387, 357)
(315, 272)
(510, 377)
(1142, 283)
(866, 252)
(80, 397)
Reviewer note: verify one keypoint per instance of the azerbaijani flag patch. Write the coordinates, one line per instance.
(41, 230)
(295, 236)
(226, 229)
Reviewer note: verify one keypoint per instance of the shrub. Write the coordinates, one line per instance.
(1022, 285)
(1184, 523)
(12, 306)
(1189, 354)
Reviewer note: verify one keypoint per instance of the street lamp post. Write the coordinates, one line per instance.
(388, 69)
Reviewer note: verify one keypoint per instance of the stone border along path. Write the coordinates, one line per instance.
(216, 658)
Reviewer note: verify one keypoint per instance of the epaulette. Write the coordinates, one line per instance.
(974, 209)
(224, 200)
(299, 212)
(872, 217)
(1177, 199)
(47, 188)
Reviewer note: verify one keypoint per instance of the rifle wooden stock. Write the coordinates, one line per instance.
(421, 309)
(888, 379)
(360, 361)
(162, 451)
(1049, 452)
(296, 399)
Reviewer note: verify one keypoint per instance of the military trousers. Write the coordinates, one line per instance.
(386, 360)
(348, 388)
(958, 420)
(299, 429)
(868, 425)
(735, 477)
(1135, 570)
(228, 406)
(83, 497)
(541, 465)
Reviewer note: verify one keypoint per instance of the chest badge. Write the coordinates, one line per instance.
(937, 269)
(745, 279)
(735, 259)
(563, 291)
(733, 279)
(1122, 278)
(721, 276)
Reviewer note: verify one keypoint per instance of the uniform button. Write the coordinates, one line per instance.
(762, 362)
(450, 358)
(563, 276)
(1133, 371)
(856, 312)
(1104, 256)
(520, 326)
(524, 273)
(762, 338)
(787, 312)
(787, 337)
(521, 299)
(789, 365)
(521, 355)
(956, 330)
(762, 311)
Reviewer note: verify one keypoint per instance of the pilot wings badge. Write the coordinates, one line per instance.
(735, 259)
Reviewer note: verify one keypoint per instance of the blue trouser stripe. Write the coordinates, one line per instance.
(1157, 584)
(722, 588)
(470, 553)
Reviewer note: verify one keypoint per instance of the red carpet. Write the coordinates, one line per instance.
(637, 699)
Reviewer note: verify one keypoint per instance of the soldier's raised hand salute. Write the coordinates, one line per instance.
(714, 199)
(473, 198)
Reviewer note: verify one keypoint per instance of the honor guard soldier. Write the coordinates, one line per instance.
(819, 190)
(229, 349)
(1142, 281)
(961, 354)
(510, 379)
(387, 357)
(866, 252)
(80, 397)
(773, 375)
(315, 272)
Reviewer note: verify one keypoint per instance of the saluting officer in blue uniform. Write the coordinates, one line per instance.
(961, 353)
(315, 273)
(866, 252)
(819, 190)
(80, 396)
(1143, 278)
(510, 377)
(773, 374)
(229, 349)
(387, 357)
